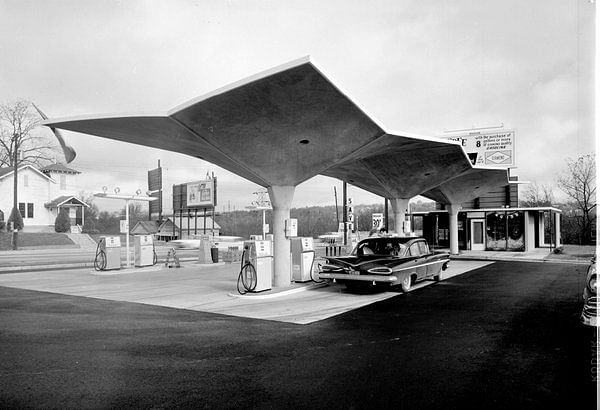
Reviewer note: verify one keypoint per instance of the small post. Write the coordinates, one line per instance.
(127, 226)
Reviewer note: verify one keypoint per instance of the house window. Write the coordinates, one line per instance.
(25, 181)
(63, 182)
(26, 209)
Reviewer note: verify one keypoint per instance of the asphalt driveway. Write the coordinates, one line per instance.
(505, 335)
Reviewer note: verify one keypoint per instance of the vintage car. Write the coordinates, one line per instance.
(589, 316)
(386, 261)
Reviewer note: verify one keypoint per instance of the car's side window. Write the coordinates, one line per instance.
(414, 249)
(364, 249)
(423, 248)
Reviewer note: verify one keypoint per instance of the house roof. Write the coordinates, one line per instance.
(145, 227)
(167, 228)
(59, 168)
(63, 200)
(6, 171)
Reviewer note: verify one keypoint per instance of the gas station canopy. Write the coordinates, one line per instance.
(288, 124)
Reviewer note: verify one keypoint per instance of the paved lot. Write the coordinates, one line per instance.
(504, 335)
(208, 288)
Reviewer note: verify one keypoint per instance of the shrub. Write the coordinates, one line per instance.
(559, 250)
(15, 219)
(62, 222)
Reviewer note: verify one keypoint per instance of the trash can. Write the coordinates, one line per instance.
(214, 254)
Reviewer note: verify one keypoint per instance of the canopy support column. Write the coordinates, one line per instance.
(399, 207)
(281, 201)
(453, 226)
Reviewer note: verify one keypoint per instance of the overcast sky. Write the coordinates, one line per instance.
(416, 66)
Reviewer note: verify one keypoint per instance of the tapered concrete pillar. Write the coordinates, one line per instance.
(399, 207)
(281, 201)
(453, 226)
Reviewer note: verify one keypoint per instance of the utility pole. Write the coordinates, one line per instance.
(15, 236)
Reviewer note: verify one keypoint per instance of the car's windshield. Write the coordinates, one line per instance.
(379, 246)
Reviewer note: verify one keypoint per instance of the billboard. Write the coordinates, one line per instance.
(195, 195)
(488, 148)
(200, 194)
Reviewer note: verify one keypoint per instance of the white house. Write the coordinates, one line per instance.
(41, 194)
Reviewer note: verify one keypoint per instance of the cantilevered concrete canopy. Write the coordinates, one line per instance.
(284, 126)
(396, 166)
(468, 185)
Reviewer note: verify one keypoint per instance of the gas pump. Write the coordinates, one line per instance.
(143, 249)
(303, 257)
(108, 253)
(256, 267)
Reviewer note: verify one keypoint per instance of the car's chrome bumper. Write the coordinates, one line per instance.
(589, 316)
(359, 278)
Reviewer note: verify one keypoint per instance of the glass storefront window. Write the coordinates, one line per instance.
(496, 231)
(516, 224)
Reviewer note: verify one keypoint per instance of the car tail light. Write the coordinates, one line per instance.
(380, 270)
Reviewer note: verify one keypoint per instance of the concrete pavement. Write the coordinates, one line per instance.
(209, 288)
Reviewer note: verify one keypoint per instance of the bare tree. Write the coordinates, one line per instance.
(20, 144)
(538, 195)
(579, 183)
(18, 135)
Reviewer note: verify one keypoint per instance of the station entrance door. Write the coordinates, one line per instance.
(477, 235)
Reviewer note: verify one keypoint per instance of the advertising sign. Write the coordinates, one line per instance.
(123, 226)
(488, 148)
(377, 221)
(200, 193)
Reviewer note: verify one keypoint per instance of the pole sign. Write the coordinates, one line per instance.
(488, 148)
(350, 213)
(377, 221)
(155, 185)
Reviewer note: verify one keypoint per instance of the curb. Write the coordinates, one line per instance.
(509, 259)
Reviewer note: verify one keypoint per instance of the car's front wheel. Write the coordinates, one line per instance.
(406, 283)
